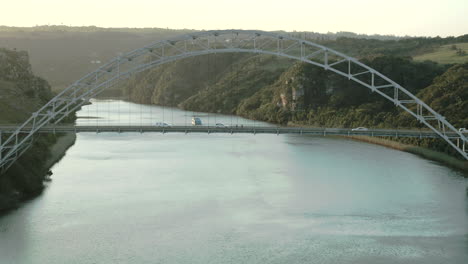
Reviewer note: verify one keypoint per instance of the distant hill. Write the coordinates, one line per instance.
(62, 54)
(447, 54)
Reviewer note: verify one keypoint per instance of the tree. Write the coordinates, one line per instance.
(461, 52)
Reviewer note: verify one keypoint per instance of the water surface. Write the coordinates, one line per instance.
(220, 198)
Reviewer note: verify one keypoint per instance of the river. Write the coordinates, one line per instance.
(221, 198)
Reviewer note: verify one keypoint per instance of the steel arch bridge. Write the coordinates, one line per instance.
(222, 41)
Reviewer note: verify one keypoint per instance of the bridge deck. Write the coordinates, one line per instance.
(232, 130)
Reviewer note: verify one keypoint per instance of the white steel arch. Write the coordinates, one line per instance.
(222, 41)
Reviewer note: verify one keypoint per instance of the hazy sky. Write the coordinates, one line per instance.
(398, 17)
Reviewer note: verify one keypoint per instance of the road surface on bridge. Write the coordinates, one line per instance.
(232, 130)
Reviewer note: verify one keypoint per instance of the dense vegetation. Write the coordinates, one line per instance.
(281, 91)
(20, 94)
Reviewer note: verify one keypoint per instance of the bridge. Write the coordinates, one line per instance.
(16, 142)
(238, 129)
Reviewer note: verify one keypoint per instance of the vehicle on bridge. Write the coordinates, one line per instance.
(196, 121)
(220, 125)
(162, 124)
(360, 129)
(463, 130)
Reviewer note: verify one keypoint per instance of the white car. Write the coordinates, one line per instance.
(162, 124)
(463, 130)
(220, 125)
(360, 129)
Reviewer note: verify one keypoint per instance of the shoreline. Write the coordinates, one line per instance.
(58, 151)
(428, 154)
(432, 155)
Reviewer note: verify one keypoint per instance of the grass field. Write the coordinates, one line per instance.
(445, 54)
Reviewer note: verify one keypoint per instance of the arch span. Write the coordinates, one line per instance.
(223, 41)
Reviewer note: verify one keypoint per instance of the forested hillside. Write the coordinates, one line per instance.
(285, 92)
(62, 54)
(21, 93)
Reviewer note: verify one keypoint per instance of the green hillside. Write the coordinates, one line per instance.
(21, 92)
(62, 54)
(446, 54)
(302, 94)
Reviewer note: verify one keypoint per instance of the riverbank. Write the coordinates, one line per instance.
(437, 156)
(440, 157)
(25, 179)
(59, 149)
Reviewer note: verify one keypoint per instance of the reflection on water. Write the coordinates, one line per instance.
(116, 112)
(198, 198)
